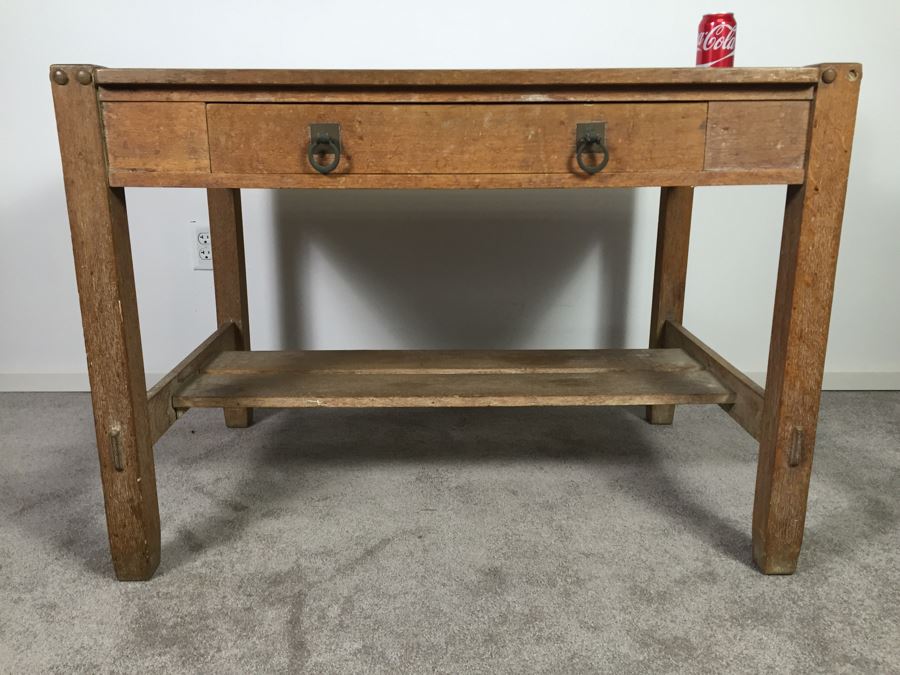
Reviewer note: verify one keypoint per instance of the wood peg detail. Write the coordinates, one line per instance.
(115, 448)
(795, 455)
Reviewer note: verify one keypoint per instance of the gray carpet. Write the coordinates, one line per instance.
(454, 541)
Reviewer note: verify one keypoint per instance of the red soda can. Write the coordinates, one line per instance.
(715, 40)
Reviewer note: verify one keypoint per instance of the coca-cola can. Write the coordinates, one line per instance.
(715, 40)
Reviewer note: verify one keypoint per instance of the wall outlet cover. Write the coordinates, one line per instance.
(201, 248)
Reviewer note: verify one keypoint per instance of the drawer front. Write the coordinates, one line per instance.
(455, 139)
(156, 136)
(746, 135)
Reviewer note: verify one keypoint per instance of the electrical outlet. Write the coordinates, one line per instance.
(201, 249)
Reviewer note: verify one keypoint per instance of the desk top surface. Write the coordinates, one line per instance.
(455, 78)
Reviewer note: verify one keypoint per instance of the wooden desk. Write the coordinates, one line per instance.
(676, 128)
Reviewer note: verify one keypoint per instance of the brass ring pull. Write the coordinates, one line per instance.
(591, 143)
(324, 144)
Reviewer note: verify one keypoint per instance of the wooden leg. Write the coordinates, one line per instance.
(671, 272)
(809, 248)
(227, 230)
(112, 336)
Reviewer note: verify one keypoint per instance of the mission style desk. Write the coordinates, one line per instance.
(675, 128)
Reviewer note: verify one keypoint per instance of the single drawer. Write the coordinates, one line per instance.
(528, 138)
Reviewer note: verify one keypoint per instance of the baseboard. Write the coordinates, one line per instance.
(54, 381)
(848, 381)
(834, 381)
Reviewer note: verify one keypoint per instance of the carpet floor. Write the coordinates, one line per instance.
(560, 540)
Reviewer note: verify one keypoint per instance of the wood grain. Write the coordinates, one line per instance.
(450, 379)
(498, 94)
(159, 399)
(226, 225)
(757, 135)
(103, 269)
(458, 181)
(156, 136)
(670, 274)
(455, 139)
(449, 362)
(809, 248)
(748, 404)
(455, 78)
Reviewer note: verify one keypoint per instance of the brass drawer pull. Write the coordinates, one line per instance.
(324, 139)
(590, 138)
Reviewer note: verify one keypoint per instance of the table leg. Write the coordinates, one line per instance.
(227, 230)
(674, 233)
(103, 268)
(809, 248)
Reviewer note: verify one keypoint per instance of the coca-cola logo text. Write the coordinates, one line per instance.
(722, 36)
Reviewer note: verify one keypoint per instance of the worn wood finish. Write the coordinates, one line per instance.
(671, 178)
(159, 399)
(584, 94)
(757, 135)
(156, 136)
(456, 78)
(450, 379)
(670, 274)
(103, 268)
(226, 225)
(456, 139)
(748, 404)
(450, 362)
(809, 248)
(672, 128)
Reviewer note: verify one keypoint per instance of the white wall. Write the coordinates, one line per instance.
(466, 269)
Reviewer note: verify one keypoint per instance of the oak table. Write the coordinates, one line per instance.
(224, 130)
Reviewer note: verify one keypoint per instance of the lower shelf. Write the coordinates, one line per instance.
(360, 379)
